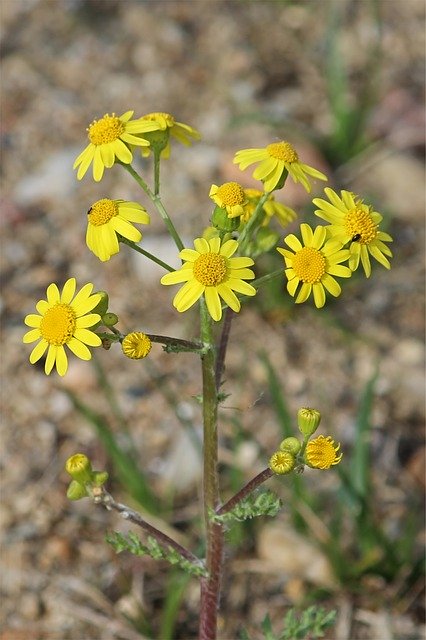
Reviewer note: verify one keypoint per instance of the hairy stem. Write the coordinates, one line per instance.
(210, 586)
(106, 499)
(245, 491)
(220, 363)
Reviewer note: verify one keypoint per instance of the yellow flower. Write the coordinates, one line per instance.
(229, 196)
(166, 122)
(282, 462)
(110, 137)
(353, 221)
(322, 453)
(106, 218)
(314, 264)
(63, 320)
(275, 159)
(136, 345)
(284, 214)
(210, 270)
(79, 468)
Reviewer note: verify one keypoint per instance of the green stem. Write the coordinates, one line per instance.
(270, 276)
(145, 253)
(210, 586)
(156, 171)
(156, 200)
(252, 223)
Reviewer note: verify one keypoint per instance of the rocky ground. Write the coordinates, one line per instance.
(244, 73)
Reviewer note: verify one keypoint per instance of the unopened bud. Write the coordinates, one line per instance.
(308, 421)
(76, 491)
(109, 319)
(80, 468)
(291, 444)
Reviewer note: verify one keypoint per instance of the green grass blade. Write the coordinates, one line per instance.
(176, 587)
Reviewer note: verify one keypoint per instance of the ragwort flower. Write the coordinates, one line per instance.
(275, 159)
(353, 221)
(106, 218)
(271, 208)
(322, 453)
(210, 270)
(229, 196)
(314, 264)
(63, 320)
(166, 123)
(110, 138)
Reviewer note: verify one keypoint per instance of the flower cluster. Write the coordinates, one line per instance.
(319, 453)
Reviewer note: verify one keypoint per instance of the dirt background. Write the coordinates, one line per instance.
(244, 73)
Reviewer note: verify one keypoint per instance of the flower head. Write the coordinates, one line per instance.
(106, 218)
(276, 159)
(271, 208)
(63, 320)
(314, 264)
(355, 222)
(229, 196)
(209, 269)
(167, 124)
(79, 467)
(322, 453)
(136, 345)
(282, 462)
(110, 138)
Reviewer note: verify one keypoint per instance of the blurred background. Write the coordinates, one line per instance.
(344, 82)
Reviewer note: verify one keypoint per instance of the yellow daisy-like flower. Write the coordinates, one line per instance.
(209, 269)
(106, 218)
(136, 345)
(353, 221)
(282, 462)
(284, 214)
(322, 453)
(110, 138)
(314, 264)
(229, 196)
(63, 320)
(275, 159)
(166, 122)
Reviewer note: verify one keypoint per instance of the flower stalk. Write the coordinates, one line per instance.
(210, 586)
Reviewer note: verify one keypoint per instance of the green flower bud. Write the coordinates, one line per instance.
(291, 444)
(282, 462)
(109, 319)
(76, 491)
(221, 221)
(308, 421)
(99, 478)
(80, 468)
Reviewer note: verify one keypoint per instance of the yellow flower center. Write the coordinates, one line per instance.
(360, 226)
(282, 151)
(136, 345)
(102, 211)
(210, 269)
(105, 130)
(321, 453)
(309, 265)
(58, 324)
(160, 115)
(231, 194)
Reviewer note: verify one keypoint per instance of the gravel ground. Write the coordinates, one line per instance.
(244, 73)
